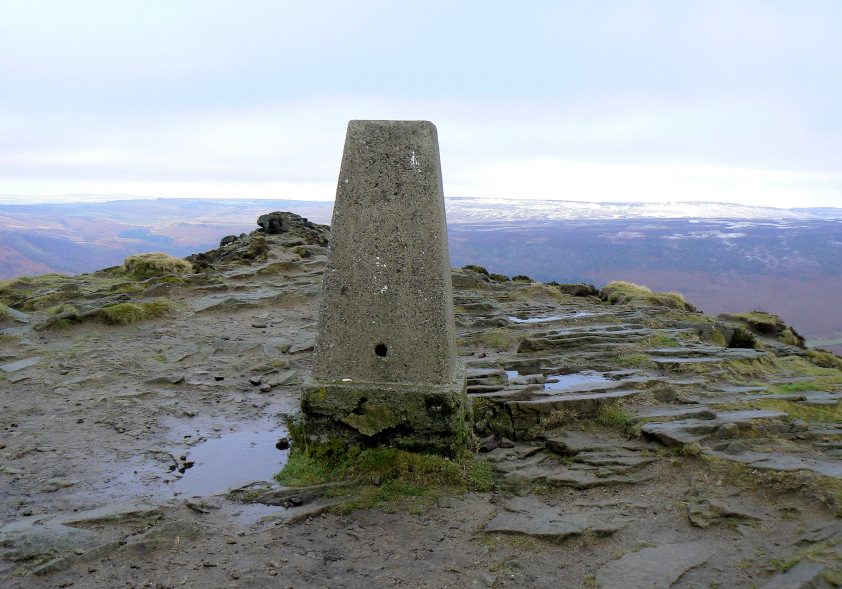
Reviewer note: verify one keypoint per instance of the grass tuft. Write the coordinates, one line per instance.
(128, 313)
(155, 264)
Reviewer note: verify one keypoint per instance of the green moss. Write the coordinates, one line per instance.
(385, 476)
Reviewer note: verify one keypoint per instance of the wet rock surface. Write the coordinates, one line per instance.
(629, 446)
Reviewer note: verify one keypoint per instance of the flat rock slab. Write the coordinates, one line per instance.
(687, 431)
(700, 412)
(18, 316)
(706, 512)
(27, 539)
(784, 462)
(656, 567)
(572, 442)
(804, 575)
(118, 512)
(588, 479)
(19, 364)
(532, 517)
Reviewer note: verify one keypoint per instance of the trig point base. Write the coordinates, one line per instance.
(385, 369)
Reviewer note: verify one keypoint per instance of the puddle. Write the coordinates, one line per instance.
(234, 458)
(534, 319)
(568, 381)
(553, 317)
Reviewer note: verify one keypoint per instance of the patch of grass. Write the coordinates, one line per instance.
(4, 311)
(475, 268)
(825, 359)
(521, 278)
(590, 581)
(127, 313)
(717, 338)
(388, 476)
(660, 340)
(635, 361)
(537, 290)
(614, 416)
(628, 293)
(155, 264)
(501, 338)
(799, 410)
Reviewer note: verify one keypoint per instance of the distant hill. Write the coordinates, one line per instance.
(722, 257)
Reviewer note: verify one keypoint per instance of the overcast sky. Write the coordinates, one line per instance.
(732, 101)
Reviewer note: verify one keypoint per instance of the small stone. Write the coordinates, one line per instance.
(487, 444)
(728, 431)
(506, 443)
(255, 380)
(2, 446)
(232, 541)
(265, 388)
(208, 564)
(259, 325)
(63, 371)
(282, 444)
(26, 512)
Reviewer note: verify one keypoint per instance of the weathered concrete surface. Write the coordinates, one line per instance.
(387, 280)
(385, 368)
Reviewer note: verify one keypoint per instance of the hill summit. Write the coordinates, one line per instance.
(621, 438)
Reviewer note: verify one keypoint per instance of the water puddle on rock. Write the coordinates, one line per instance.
(569, 381)
(238, 457)
(534, 319)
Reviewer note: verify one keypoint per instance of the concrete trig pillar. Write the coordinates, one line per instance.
(385, 367)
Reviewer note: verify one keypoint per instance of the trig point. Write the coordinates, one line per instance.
(385, 368)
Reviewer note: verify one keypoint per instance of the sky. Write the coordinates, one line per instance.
(614, 101)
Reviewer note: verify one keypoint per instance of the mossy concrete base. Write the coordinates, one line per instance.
(339, 416)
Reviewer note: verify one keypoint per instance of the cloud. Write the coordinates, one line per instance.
(168, 94)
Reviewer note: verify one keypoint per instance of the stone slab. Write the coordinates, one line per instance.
(531, 516)
(19, 364)
(655, 567)
(804, 575)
